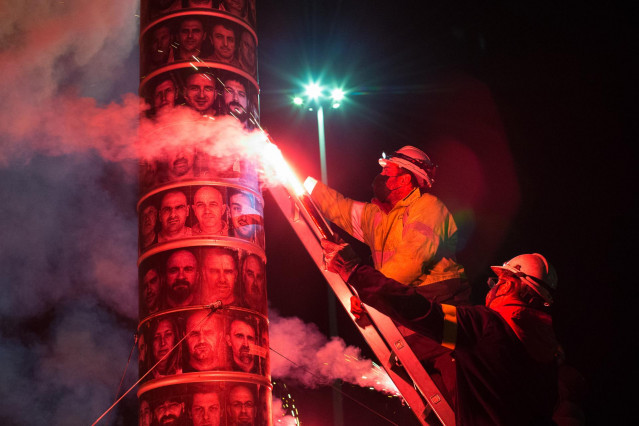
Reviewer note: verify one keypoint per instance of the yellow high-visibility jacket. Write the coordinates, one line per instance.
(414, 243)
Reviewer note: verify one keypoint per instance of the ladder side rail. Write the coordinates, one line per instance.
(383, 337)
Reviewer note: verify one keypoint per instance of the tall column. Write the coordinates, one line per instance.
(201, 258)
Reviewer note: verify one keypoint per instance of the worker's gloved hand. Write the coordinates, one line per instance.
(340, 258)
(359, 312)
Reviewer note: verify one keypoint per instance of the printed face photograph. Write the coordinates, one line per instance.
(191, 36)
(169, 412)
(223, 39)
(235, 7)
(145, 417)
(148, 220)
(244, 216)
(247, 52)
(253, 282)
(206, 409)
(241, 338)
(181, 278)
(164, 338)
(181, 162)
(203, 340)
(160, 46)
(241, 406)
(173, 213)
(235, 93)
(151, 290)
(209, 209)
(164, 96)
(142, 348)
(199, 92)
(219, 273)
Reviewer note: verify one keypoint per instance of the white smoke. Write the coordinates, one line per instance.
(68, 229)
(301, 353)
(57, 59)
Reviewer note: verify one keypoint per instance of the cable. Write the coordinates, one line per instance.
(213, 307)
(336, 388)
(128, 361)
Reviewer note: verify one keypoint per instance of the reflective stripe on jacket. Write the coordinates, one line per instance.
(414, 243)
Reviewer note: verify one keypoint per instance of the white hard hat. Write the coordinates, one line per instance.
(415, 161)
(533, 270)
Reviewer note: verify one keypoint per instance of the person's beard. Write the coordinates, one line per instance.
(238, 111)
(180, 290)
(169, 419)
(245, 357)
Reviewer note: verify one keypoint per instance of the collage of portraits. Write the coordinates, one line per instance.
(203, 331)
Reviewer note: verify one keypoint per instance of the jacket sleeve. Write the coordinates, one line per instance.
(344, 212)
(399, 302)
(424, 223)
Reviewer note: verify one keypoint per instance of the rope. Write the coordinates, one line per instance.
(213, 307)
(128, 361)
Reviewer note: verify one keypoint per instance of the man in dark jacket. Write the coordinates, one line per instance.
(505, 367)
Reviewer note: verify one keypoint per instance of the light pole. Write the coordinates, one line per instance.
(314, 97)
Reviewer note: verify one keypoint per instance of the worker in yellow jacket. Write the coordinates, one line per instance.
(411, 233)
(412, 237)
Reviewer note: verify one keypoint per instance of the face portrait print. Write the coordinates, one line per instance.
(142, 351)
(145, 417)
(164, 336)
(151, 290)
(190, 38)
(182, 278)
(169, 412)
(204, 340)
(240, 339)
(160, 47)
(242, 405)
(235, 7)
(223, 40)
(199, 93)
(206, 407)
(209, 208)
(174, 210)
(148, 226)
(254, 283)
(247, 53)
(164, 97)
(235, 100)
(244, 217)
(181, 162)
(219, 275)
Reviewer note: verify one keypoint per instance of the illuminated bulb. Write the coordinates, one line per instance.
(337, 95)
(298, 101)
(313, 90)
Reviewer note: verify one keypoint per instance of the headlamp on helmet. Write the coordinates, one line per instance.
(415, 161)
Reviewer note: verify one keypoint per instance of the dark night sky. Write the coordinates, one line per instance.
(555, 78)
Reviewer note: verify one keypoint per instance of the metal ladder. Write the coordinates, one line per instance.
(394, 354)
